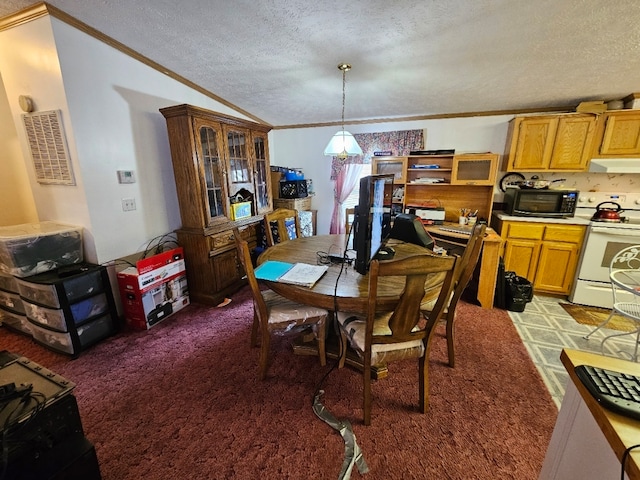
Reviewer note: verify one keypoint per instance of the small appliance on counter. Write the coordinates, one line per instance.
(540, 202)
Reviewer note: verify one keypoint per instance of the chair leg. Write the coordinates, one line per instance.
(366, 376)
(586, 337)
(254, 330)
(450, 340)
(423, 383)
(264, 355)
(343, 347)
(322, 335)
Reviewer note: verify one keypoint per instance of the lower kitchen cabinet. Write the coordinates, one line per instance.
(545, 253)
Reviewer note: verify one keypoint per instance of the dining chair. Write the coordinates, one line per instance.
(349, 216)
(463, 272)
(624, 274)
(274, 314)
(281, 225)
(379, 337)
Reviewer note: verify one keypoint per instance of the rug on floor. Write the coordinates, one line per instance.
(595, 316)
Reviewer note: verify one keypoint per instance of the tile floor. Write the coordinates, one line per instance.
(546, 328)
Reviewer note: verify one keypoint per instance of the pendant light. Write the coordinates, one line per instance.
(343, 144)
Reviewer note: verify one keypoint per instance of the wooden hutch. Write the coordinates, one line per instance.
(221, 168)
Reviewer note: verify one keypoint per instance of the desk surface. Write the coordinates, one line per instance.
(621, 432)
(351, 292)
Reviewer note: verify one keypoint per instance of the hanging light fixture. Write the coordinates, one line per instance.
(343, 144)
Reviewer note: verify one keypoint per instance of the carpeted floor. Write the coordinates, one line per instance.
(182, 400)
(595, 316)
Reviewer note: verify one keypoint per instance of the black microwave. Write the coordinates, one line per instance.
(540, 203)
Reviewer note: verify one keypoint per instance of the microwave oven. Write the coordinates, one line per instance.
(540, 203)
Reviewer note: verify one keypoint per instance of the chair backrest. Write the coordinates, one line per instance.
(417, 271)
(626, 259)
(244, 255)
(349, 217)
(281, 225)
(467, 263)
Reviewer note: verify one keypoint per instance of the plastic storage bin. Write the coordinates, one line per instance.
(8, 283)
(75, 286)
(15, 321)
(74, 342)
(33, 248)
(12, 302)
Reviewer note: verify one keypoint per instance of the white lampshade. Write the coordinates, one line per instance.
(342, 145)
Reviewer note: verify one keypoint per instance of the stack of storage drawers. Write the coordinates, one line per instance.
(69, 309)
(12, 311)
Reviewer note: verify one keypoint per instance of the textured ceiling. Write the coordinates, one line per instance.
(277, 59)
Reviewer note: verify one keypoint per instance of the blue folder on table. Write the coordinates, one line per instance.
(272, 270)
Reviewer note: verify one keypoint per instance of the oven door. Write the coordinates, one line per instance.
(592, 285)
(600, 247)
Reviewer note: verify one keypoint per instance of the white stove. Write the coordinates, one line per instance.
(603, 240)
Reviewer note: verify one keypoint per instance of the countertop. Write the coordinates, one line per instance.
(562, 221)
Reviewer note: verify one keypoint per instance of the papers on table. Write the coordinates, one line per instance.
(302, 274)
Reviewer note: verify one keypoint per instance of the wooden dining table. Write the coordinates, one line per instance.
(341, 287)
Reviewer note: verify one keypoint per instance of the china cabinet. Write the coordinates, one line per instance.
(560, 142)
(221, 168)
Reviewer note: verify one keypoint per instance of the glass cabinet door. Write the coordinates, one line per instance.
(213, 173)
(262, 175)
(239, 167)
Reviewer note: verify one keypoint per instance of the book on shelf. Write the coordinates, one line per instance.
(303, 274)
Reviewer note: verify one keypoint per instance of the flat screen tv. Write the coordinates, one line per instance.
(372, 219)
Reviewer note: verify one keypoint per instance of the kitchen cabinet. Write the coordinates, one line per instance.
(619, 134)
(562, 142)
(545, 253)
(218, 161)
(450, 181)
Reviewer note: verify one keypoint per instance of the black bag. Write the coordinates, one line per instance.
(519, 292)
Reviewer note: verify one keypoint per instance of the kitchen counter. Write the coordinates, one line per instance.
(562, 221)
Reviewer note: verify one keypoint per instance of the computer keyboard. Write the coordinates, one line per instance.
(616, 391)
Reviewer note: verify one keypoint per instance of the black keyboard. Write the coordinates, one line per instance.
(616, 391)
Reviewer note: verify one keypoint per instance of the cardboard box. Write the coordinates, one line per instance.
(154, 289)
(240, 210)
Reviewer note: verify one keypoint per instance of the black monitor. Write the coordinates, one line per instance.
(408, 228)
(372, 219)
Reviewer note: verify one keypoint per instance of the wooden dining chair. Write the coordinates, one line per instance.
(281, 225)
(463, 272)
(274, 314)
(381, 337)
(350, 216)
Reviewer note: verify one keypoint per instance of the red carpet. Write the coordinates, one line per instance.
(182, 401)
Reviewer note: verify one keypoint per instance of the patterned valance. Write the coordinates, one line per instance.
(399, 143)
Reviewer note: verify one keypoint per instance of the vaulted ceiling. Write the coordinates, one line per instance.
(277, 59)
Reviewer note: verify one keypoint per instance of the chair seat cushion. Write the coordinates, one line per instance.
(284, 311)
(354, 326)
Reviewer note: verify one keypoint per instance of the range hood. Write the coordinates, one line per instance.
(615, 165)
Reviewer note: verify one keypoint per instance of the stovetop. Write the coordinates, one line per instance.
(629, 204)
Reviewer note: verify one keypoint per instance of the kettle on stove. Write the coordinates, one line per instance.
(607, 214)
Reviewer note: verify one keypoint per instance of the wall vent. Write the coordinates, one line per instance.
(48, 148)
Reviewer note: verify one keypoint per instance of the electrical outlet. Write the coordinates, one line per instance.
(128, 204)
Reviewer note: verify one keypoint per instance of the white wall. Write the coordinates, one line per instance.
(109, 103)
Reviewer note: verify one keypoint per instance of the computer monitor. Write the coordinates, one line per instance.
(372, 219)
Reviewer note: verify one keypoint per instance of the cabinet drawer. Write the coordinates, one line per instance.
(564, 233)
(15, 321)
(11, 302)
(225, 239)
(80, 312)
(8, 283)
(74, 288)
(88, 334)
(529, 231)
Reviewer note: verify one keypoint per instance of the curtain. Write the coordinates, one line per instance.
(346, 171)
(345, 183)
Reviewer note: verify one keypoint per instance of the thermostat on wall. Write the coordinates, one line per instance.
(126, 176)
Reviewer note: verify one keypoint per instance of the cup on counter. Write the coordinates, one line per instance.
(462, 220)
(471, 221)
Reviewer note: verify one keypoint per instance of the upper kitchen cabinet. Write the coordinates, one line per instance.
(619, 134)
(543, 143)
(218, 161)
